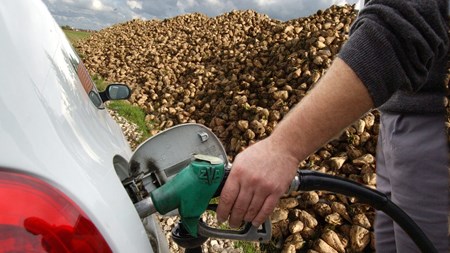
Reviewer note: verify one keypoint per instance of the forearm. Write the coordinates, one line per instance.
(338, 99)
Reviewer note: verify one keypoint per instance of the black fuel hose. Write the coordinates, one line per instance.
(311, 180)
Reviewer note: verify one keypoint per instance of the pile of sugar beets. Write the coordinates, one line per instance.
(239, 74)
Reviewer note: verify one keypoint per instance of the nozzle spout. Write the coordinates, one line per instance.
(145, 207)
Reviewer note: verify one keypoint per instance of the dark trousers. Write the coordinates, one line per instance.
(413, 170)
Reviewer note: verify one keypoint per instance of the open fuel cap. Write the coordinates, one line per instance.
(163, 156)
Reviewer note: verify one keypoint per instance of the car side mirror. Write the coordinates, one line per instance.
(115, 91)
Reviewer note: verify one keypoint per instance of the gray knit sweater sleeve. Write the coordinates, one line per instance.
(399, 49)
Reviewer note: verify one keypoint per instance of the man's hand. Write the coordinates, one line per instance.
(261, 174)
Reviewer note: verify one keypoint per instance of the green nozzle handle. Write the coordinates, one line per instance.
(190, 191)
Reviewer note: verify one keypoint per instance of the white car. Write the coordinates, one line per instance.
(59, 148)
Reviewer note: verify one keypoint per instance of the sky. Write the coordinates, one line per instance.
(98, 14)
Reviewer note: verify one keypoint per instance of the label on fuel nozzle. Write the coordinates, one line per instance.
(210, 175)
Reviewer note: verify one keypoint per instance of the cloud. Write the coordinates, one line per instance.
(98, 14)
(90, 14)
(97, 5)
(135, 4)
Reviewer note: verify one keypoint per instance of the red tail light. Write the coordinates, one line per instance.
(36, 217)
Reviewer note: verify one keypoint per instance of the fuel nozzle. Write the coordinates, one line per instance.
(189, 191)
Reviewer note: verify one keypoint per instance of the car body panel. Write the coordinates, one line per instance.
(49, 127)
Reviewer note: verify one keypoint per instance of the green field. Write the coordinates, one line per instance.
(74, 36)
